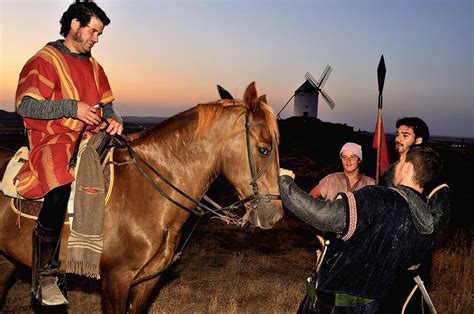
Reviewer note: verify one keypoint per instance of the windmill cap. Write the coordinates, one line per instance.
(354, 148)
(306, 87)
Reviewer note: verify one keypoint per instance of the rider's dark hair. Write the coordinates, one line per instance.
(419, 127)
(82, 11)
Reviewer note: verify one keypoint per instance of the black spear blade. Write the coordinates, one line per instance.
(381, 74)
(223, 93)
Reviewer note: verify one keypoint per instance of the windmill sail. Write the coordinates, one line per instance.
(328, 99)
(311, 79)
(320, 84)
(324, 77)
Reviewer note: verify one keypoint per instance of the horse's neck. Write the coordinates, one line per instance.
(188, 162)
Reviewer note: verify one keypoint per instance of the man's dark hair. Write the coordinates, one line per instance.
(419, 127)
(83, 12)
(427, 163)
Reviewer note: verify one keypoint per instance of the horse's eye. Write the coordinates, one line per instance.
(263, 151)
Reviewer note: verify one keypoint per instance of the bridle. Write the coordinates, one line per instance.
(224, 213)
(256, 175)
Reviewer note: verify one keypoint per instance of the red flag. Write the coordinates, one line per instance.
(383, 159)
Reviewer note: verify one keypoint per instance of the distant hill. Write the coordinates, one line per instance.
(143, 120)
(11, 122)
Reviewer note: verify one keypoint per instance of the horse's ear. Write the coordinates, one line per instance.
(263, 99)
(223, 93)
(250, 97)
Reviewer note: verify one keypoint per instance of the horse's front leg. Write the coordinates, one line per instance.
(7, 270)
(140, 295)
(115, 289)
(149, 276)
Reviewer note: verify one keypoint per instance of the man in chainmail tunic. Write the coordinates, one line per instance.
(56, 96)
(377, 233)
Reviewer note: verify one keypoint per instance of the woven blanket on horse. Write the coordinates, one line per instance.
(89, 194)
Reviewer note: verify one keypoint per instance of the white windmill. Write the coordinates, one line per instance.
(306, 96)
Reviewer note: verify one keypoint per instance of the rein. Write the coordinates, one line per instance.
(223, 213)
(201, 209)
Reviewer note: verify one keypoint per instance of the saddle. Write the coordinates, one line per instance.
(29, 208)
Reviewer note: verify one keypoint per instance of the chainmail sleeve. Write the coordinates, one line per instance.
(47, 109)
(110, 112)
(323, 215)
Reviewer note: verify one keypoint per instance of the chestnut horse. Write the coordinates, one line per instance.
(142, 227)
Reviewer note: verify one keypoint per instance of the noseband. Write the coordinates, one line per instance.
(223, 213)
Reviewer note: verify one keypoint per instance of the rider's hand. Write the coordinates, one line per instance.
(114, 127)
(87, 113)
(286, 172)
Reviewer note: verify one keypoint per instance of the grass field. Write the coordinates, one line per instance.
(225, 269)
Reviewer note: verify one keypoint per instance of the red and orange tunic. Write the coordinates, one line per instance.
(54, 74)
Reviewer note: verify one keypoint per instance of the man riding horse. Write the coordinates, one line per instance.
(57, 90)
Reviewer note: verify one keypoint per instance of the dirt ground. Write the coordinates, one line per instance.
(223, 269)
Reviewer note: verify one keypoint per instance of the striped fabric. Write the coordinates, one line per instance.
(89, 248)
(53, 75)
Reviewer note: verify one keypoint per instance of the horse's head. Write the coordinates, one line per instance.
(250, 158)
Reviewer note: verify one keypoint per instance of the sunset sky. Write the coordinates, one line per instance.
(164, 56)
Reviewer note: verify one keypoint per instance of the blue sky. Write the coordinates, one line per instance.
(163, 57)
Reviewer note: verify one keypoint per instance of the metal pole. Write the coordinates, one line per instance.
(425, 294)
(278, 115)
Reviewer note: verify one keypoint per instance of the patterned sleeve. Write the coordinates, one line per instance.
(47, 109)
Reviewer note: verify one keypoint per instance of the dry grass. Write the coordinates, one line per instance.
(251, 279)
(452, 290)
(229, 270)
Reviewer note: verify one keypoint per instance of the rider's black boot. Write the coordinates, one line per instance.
(48, 282)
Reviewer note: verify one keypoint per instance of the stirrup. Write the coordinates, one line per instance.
(50, 291)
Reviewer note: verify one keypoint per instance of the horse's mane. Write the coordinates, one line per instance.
(210, 112)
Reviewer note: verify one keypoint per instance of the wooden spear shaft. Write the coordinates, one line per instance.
(379, 140)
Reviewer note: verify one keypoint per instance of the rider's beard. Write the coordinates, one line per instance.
(77, 37)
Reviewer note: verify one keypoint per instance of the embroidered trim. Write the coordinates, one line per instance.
(352, 216)
(348, 183)
(436, 189)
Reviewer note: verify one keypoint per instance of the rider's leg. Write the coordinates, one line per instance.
(48, 284)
